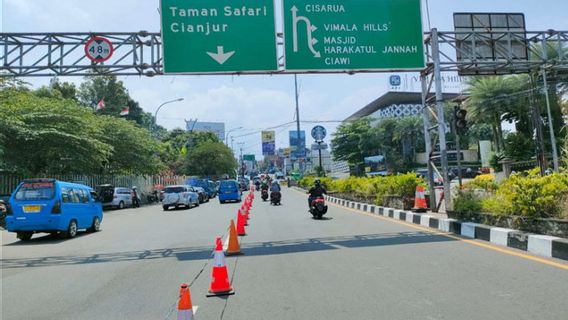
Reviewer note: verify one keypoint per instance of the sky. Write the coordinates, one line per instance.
(252, 102)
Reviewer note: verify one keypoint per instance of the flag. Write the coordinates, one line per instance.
(125, 111)
(100, 105)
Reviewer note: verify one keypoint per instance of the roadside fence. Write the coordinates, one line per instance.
(145, 184)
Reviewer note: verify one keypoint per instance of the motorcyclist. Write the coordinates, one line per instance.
(275, 187)
(257, 184)
(264, 185)
(318, 190)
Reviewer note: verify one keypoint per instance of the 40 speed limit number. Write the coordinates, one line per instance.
(98, 49)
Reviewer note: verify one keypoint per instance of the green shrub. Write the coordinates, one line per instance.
(496, 205)
(532, 195)
(484, 181)
(467, 202)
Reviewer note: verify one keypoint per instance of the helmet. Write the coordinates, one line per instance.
(317, 182)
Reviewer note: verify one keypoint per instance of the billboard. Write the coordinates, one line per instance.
(218, 128)
(268, 143)
(297, 148)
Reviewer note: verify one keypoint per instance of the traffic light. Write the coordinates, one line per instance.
(460, 120)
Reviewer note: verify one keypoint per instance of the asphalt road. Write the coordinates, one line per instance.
(349, 266)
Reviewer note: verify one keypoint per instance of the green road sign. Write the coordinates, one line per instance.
(249, 157)
(353, 35)
(205, 36)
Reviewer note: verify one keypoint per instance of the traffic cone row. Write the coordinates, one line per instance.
(220, 282)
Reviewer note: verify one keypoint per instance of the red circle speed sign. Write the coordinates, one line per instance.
(98, 49)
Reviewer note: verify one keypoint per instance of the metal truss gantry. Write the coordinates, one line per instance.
(62, 54)
(465, 52)
(480, 53)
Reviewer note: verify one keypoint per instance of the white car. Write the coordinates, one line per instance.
(179, 196)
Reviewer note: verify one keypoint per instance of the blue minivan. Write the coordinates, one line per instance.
(229, 191)
(49, 205)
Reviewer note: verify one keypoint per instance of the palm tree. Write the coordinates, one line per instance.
(490, 101)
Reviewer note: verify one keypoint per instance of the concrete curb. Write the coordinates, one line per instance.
(547, 246)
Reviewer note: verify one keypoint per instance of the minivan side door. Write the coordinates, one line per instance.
(85, 208)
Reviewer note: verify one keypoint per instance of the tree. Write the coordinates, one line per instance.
(116, 97)
(67, 90)
(352, 142)
(176, 144)
(210, 159)
(52, 135)
(490, 102)
(48, 135)
(133, 150)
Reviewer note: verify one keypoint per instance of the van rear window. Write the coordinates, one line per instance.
(174, 190)
(44, 190)
(230, 185)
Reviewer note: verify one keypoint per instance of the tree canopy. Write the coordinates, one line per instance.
(48, 134)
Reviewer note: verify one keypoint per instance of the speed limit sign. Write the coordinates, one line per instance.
(98, 49)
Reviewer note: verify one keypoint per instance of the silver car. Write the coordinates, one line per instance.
(115, 197)
(178, 196)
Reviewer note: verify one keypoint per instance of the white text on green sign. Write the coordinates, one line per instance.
(353, 35)
(202, 36)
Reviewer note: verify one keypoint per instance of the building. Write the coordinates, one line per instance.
(216, 127)
(396, 104)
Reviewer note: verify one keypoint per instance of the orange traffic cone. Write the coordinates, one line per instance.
(420, 200)
(244, 216)
(220, 284)
(234, 247)
(241, 224)
(185, 308)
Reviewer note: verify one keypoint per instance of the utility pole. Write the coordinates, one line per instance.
(550, 124)
(320, 161)
(241, 144)
(298, 119)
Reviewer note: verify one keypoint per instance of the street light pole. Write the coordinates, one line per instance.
(227, 135)
(153, 123)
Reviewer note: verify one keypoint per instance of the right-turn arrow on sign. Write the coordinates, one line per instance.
(222, 36)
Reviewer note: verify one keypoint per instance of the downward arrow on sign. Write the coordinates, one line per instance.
(221, 57)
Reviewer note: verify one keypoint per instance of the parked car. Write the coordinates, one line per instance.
(211, 189)
(203, 196)
(115, 197)
(4, 207)
(179, 196)
(229, 190)
(49, 205)
(4, 200)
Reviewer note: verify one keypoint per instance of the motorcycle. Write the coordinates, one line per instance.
(264, 195)
(153, 197)
(318, 207)
(275, 198)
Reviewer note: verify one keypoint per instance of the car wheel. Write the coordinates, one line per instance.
(24, 236)
(166, 208)
(121, 205)
(96, 225)
(71, 230)
(221, 202)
